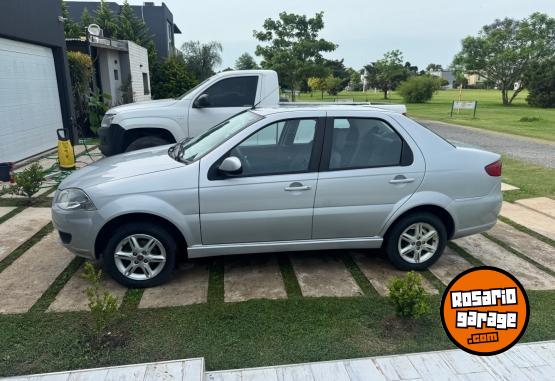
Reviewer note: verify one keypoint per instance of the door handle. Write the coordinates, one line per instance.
(293, 187)
(401, 180)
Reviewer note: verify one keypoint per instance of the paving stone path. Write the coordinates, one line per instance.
(5, 210)
(542, 205)
(490, 253)
(253, 277)
(189, 285)
(72, 297)
(323, 275)
(25, 280)
(379, 273)
(538, 222)
(508, 187)
(449, 265)
(529, 246)
(21, 227)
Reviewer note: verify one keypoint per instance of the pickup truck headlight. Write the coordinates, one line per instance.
(107, 120)
(74, 199)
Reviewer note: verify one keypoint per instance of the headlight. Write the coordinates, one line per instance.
(107, 120)
(73, 199)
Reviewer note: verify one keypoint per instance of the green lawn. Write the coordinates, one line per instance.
(236, 335)
(491, 114)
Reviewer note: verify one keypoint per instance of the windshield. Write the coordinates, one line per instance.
(191, 150)
(193, 89)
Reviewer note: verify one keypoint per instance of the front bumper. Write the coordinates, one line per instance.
(111, 139)
(78, 230)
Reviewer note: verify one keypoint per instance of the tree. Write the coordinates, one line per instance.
(130, 27)
(104, 17)
(201, 59)
(504, 50)
(315, 83)
(334, 85)
(434, 67)
(172, 78)
(355, 83)
(71, 28)
(246, 62)
(86, 19)
(540, 79)
(386, 73)
(337, 69)
(419, 89)
(293, 48)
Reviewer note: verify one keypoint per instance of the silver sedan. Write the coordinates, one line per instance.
(282, 179)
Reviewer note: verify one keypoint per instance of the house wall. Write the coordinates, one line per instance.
(37, 22)
(108, 61)
(138, 64)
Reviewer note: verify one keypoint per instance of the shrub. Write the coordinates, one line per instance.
(170, 78)
(102, 304)
(97, 105)
(540, 81)
(409, 296)
(28, 181)
(419, 89)
(81, 72)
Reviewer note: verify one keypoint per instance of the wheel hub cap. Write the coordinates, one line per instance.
(140, 257)
(418, 242)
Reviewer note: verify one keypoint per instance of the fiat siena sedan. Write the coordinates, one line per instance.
(283, 179)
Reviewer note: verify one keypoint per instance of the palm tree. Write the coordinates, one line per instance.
(202, 58)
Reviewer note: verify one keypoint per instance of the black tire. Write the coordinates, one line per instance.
(161, 234)
(146, 142)
(392, 240)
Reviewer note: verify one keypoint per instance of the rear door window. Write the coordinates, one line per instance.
(233, 92)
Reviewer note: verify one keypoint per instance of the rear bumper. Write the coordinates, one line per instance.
(476, 215)
(111, 139)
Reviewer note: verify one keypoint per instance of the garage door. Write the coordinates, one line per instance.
(29, 102)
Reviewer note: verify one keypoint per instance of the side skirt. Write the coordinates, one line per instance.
(199, 251)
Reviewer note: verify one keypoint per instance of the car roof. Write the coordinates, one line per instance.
(318, 107)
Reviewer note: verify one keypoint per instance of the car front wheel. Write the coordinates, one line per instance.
(416, 241)
(140, 255)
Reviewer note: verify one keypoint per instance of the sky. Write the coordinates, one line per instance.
(426, 31)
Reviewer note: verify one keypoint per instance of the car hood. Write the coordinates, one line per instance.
(142, 106)
(130, 164)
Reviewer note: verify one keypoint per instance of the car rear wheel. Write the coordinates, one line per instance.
(140, 255)
(146, 142)
(416, 241)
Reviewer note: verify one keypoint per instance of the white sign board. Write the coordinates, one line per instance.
(464, 105)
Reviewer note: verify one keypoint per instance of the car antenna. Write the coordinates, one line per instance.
(263, 99)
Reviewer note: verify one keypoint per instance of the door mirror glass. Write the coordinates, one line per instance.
(231, 165)
(202, 101)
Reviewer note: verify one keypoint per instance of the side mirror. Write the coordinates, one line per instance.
(231, 165)
(202, 101)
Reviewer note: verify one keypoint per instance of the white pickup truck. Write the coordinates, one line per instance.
(148, 124)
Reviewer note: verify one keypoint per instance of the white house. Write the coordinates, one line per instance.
(118, 64)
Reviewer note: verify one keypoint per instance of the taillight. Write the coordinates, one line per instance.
(494, 169)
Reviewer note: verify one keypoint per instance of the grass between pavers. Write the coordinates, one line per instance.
(290, 281)
(50, 294)
(533, 180)
(216, 281)
(11, 213)
(18, 252)
(237, 335)
(490, 115)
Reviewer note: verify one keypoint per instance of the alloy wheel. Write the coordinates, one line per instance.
(140, 257)
(418, 242)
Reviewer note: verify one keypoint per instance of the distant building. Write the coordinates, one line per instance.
(158, 18)
(117, 64)
(474, 79)
(446, 75)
